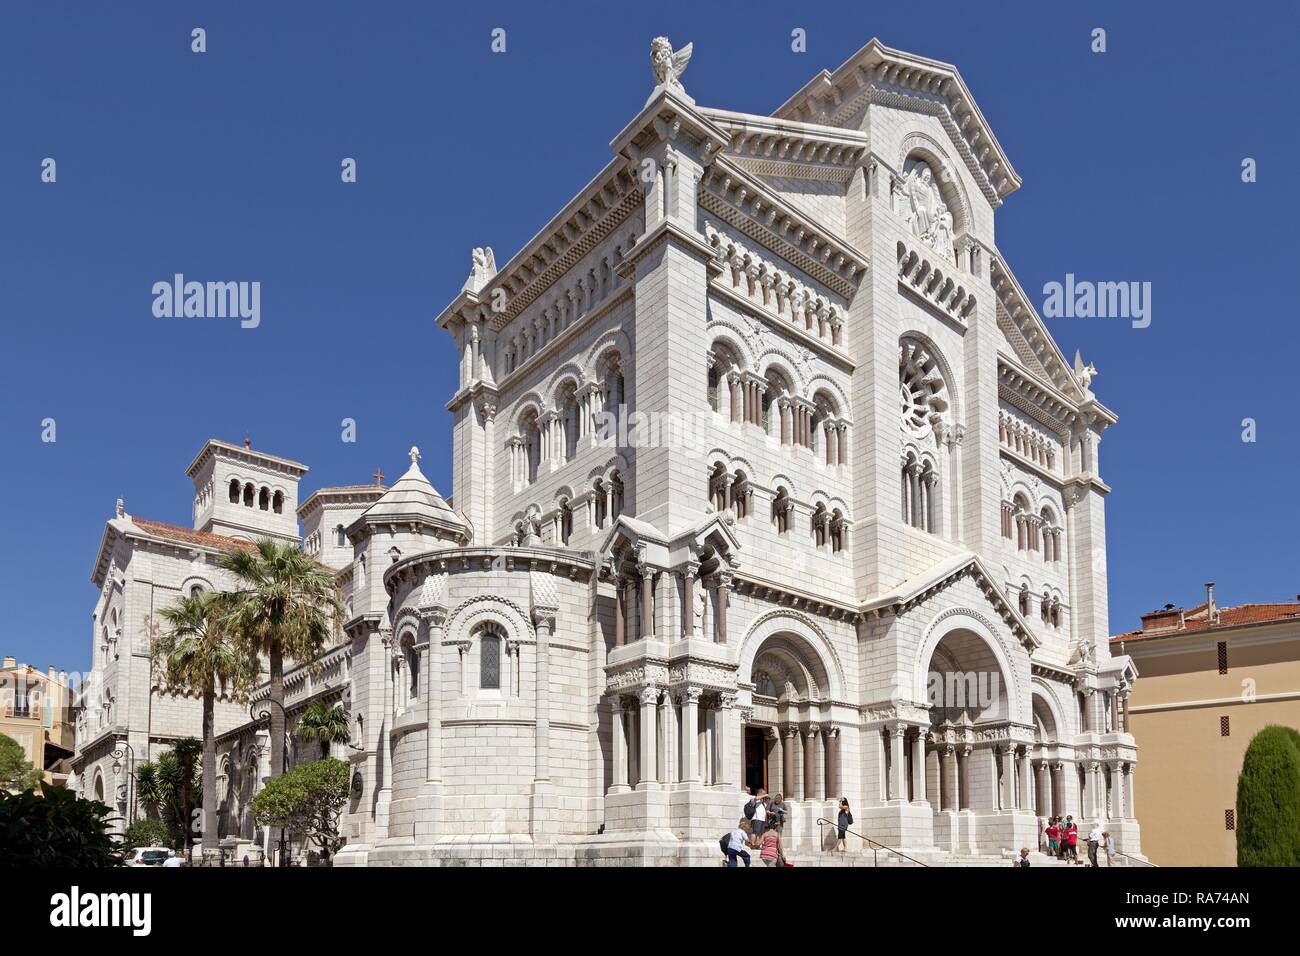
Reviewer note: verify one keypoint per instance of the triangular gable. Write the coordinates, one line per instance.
(940, 576)
(1027, 335)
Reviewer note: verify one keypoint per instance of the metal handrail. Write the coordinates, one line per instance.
(1136, 860)
(875, 847)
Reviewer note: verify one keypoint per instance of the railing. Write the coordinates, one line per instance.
(875, 847)
(1133, 859)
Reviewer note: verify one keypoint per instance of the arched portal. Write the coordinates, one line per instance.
(789, 745)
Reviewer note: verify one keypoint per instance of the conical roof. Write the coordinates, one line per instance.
(413, 498)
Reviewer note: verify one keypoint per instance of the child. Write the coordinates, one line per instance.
(1053, 836)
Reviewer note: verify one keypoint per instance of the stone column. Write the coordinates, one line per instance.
(620, 614)
(690, 737)
(897, 766)
(949, 763)
(667, 751)
(1114, 712)
(1026, 781)
(831, 746)
(724, 583)
(647, 604)
(844, 443)
(1057, 772)
(1130, 801)
(429, 679)
(1044, 807)
(1124, 713)
(918, 766)
(787, 764)
(545, 624)
(648, 762)
(810, 764)
(688, 598)
(1008, 788)
(1090, 801)
(776, 763)
(618, 728)
(963, 778)
(728, 741)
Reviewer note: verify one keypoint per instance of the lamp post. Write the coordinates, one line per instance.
(125, 752)
(265, 715)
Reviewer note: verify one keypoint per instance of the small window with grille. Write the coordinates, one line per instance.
(1224, 729)
(1223, 657)
(1229, 819)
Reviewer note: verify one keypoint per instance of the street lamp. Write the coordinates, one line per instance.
(125, 752)
(265, 715)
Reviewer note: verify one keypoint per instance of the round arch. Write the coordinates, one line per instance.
(801, 636)
(966, 619)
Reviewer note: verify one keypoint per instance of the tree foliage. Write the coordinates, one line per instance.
(308, 800)
(165, 788)
(54, 828)
(1268, 800)
(16, 771)
(323, 723)
(148, 833)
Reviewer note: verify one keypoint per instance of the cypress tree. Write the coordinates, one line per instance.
(1268, 800)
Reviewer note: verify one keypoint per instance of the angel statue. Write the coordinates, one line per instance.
(483, 267)
(666, 66)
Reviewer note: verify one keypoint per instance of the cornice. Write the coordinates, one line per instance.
(743, 201)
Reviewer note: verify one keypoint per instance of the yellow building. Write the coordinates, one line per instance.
(1209, 679)
(36, 711)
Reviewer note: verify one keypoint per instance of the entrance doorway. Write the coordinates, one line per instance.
(755, 759)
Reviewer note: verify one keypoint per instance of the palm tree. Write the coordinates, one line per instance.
(327, 724)
(287, 604)
(195, 652)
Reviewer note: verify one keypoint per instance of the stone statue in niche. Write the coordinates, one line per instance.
(699, 606)
(921, 204)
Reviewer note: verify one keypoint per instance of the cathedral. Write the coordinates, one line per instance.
(766, 473)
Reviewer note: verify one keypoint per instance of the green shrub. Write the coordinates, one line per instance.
(1268, 800)
(54, 828)
(148, 833)
(309, 800)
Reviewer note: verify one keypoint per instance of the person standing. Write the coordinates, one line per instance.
(772, 853)
(1072, 838)
(843, 821)
(1110, 847)
(736, 848)
(1094, 841)
(759, 820)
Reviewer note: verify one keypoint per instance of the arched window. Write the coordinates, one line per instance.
(531, 434)
(616, 487)
(264, 499)
(340, 537)
(234, 491)
(1045, 608)
(412, 657)
(1024, 600)
(277, 502)
(489, 658)
(820, 518)
(598, 493)
(564, 522)
(740, 494)
(718, 482)
(249, 493)
(567, 401)
(838, 532)
(725, 395)
(782, 506)
(714, 386)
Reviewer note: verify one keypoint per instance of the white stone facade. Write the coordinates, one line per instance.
(756, 444)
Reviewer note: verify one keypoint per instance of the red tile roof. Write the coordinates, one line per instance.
(1177, 622)
(175, 532)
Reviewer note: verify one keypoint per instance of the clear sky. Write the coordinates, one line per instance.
(225, 166)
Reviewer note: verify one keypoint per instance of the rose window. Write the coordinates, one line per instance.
(920, 386)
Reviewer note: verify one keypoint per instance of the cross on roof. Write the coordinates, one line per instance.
(378, 476)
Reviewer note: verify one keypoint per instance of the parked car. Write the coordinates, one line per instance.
(147, 856)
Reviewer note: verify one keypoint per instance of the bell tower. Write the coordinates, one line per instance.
(247, 494)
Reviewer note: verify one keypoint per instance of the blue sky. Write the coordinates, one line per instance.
(226, 166)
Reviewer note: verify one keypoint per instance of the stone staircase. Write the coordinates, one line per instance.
(883, 858)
